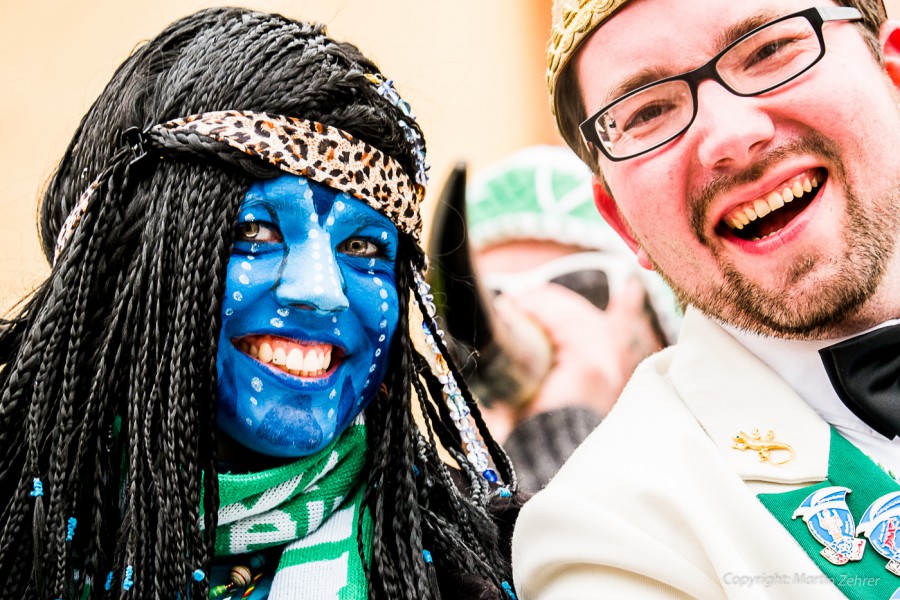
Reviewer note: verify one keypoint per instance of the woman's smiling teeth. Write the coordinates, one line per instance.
(802, 187)
(304, 360)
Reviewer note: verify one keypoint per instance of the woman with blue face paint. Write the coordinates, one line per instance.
(213, 394)
(310, 310)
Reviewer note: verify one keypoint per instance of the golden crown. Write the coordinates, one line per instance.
(573, 22)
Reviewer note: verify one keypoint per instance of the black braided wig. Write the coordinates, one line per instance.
(108, 381)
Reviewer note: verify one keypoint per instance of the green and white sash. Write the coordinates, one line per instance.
(847, 467)
(311, 507)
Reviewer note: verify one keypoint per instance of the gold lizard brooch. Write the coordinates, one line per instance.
(764, 446)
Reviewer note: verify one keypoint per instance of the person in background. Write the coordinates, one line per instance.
(212, 394)
(749, 149)
(572, 295)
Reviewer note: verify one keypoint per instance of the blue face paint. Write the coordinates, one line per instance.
(309, 312)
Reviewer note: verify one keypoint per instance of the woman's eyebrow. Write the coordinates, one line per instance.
(271, 203)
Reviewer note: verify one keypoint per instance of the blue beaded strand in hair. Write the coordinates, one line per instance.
(70, 528)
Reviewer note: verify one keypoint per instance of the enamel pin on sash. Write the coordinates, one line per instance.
(828, 517)
(881, 523)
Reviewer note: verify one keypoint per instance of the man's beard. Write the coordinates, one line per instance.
(869, 246)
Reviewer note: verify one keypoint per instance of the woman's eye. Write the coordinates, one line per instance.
(360, 247)
(252, 231)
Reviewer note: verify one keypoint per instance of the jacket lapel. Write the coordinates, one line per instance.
(730, 391)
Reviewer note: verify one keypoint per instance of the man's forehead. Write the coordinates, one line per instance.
(648, 40)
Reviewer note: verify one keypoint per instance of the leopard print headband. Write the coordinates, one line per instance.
(322, 153)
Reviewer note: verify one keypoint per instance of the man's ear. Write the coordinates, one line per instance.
(611, 213)
(890, 44)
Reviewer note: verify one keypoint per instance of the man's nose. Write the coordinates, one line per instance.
(732, 130)
(311, 278)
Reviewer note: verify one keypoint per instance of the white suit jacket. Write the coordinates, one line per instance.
(657, 504)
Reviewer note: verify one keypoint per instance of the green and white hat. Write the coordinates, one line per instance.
(545, 193)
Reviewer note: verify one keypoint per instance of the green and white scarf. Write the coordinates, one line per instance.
(312, 508)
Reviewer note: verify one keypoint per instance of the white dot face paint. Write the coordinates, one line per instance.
(377, 281)
(291, 298)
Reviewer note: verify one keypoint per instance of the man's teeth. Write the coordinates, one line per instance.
(308, 362)
(759, 208)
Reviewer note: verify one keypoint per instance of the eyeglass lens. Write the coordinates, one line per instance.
(591, 285)
(766, 59)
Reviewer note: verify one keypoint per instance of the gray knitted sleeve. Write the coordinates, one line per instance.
(539, 445)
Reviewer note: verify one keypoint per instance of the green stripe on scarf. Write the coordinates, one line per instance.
(850, 468)
(311, 507)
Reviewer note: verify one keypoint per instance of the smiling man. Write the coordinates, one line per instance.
(749, 152)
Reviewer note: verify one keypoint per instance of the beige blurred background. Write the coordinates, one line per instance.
(472, 70)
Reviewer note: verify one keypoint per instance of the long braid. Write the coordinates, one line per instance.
(112, 365)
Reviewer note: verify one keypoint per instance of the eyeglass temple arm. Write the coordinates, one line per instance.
(839, 13)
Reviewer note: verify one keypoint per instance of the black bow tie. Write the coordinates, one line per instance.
(865, 373)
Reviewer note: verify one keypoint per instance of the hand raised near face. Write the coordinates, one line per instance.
(595, 351)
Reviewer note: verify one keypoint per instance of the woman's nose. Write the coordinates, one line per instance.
(311, 278)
